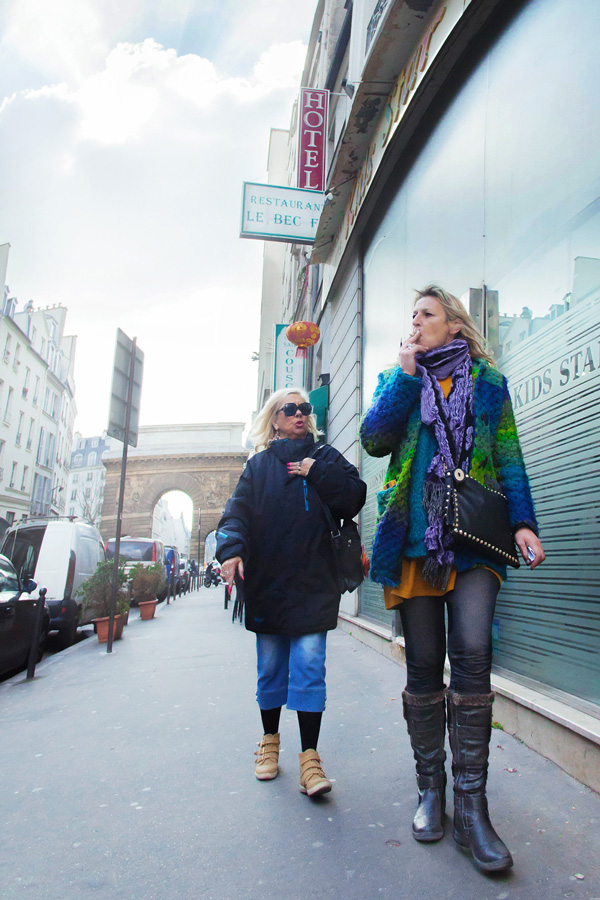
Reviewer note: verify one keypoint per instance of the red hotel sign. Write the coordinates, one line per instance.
(312, 145)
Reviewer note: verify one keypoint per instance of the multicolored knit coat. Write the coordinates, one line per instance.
(392, 425)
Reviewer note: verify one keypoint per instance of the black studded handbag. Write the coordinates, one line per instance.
(477, 518)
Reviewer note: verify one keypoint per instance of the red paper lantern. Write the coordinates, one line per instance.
(303, 335)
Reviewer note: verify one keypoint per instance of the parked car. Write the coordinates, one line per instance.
(18, 619)
(60, 554)
(134, 550)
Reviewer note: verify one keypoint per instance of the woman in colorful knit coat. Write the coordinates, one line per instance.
(445, 405)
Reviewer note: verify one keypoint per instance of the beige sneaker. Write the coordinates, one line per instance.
(267, 757)
(312, 776)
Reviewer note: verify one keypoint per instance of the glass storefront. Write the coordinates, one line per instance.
(506, 193)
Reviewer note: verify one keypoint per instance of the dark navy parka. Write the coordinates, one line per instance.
(275, 522)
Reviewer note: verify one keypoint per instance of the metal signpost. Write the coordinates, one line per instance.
(123, 424)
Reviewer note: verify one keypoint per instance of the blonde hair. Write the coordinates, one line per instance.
(263, 431)
(456, 312)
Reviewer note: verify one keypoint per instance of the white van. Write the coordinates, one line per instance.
(59, 554)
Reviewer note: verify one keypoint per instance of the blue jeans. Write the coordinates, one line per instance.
(291, 671)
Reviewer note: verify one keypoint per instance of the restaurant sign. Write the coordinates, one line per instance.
(273, 213)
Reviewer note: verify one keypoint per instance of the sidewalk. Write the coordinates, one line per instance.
(131, 775)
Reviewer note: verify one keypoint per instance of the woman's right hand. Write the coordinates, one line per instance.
(408, 350)
(230, 567)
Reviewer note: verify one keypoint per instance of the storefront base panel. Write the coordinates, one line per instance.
(564, 735)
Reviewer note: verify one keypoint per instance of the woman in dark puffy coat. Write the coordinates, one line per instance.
(275, 536)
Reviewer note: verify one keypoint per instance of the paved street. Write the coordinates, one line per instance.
(130, 775)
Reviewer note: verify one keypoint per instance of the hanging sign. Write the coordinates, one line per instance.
(289, 368)
(312, 139)
(272, 213)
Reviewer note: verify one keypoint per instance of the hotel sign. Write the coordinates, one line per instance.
(272, 213)
(312, 138)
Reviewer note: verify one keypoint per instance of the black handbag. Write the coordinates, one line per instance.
(347, 552)
(477, 518)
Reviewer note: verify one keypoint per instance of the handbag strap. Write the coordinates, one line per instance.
(455, 452)
(454, 455)
(332, 524)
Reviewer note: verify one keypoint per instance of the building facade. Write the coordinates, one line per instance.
(37, 406)
(171, 530)
(445, 166)
(86, 478)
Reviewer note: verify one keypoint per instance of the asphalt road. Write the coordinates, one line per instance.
(130, 775)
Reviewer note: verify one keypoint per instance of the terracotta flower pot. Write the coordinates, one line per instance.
(147, 609)
(102, 628)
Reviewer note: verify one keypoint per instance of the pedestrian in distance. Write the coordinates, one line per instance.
(193, 575)
(442, 408)
(274, 535)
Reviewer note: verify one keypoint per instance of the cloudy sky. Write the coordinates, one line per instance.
(126, 130)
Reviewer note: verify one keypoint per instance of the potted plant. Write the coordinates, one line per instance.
(147, 582)
(95, 594)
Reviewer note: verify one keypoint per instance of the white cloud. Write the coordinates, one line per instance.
(122, 203)
(281, 65)
(61, 37)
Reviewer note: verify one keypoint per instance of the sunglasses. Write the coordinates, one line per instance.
(290, 409)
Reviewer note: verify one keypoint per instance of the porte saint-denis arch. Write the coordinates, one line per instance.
(203, 461)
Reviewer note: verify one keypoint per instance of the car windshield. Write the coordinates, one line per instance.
(22, 546)
(9, 583)
(137, 551)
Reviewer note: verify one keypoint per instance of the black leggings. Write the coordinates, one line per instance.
(470, 613)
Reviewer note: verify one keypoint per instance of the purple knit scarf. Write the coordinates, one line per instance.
(433, 366)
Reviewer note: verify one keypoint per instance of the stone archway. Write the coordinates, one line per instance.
(207, 478)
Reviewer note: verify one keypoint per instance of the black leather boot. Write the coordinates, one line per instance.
(425, 716)
(470, 728)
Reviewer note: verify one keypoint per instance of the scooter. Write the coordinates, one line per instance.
(212, 579)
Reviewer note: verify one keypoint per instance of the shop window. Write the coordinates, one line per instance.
(504, 197)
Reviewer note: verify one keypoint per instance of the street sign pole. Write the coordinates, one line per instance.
(113, 592)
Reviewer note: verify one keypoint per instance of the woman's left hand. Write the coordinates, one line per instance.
(300, 468)
(525, 538)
